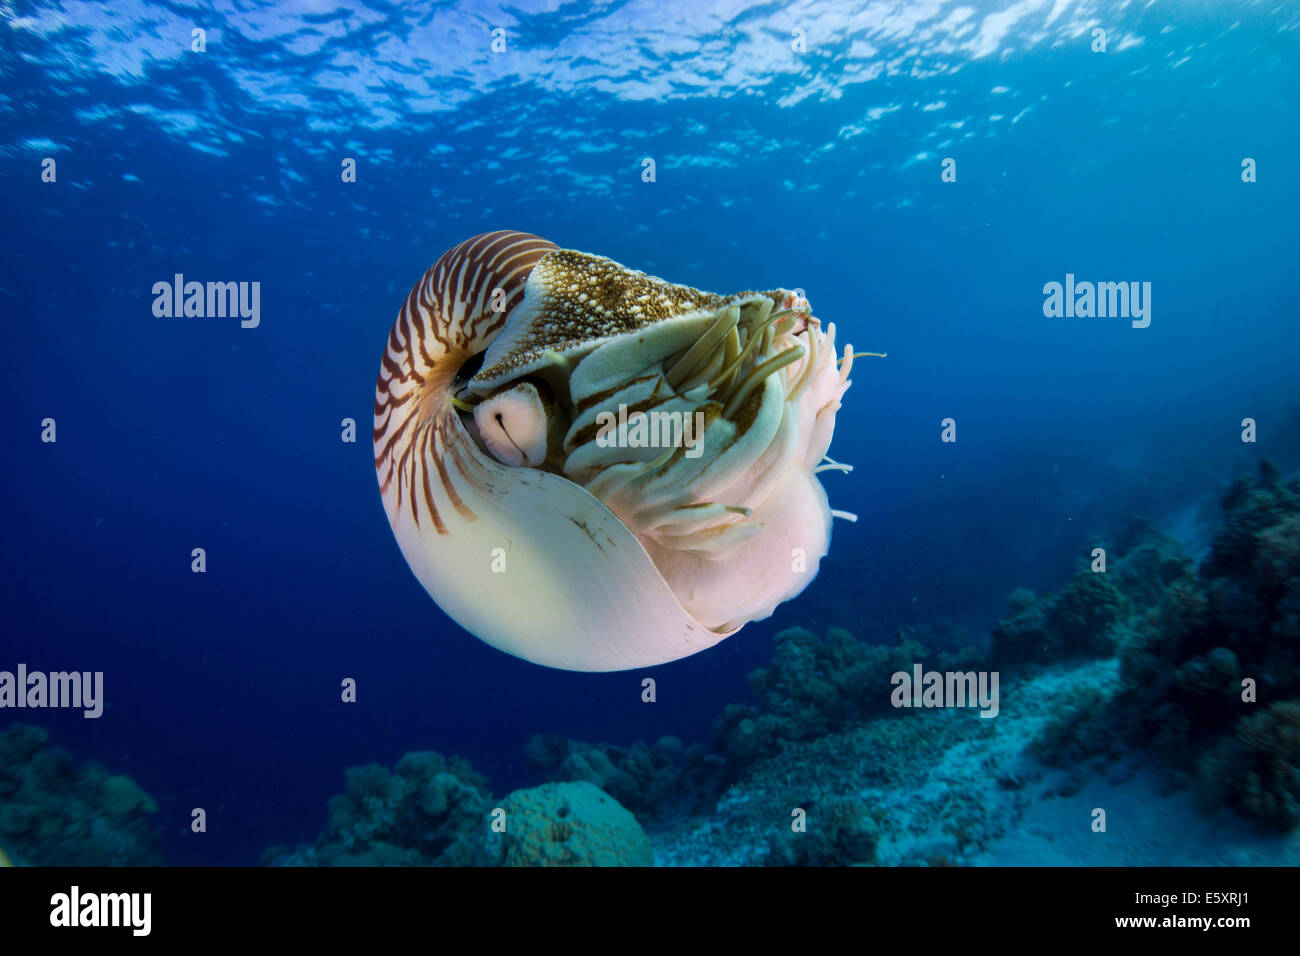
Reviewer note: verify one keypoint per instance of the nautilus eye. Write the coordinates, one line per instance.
(515, 424)
(594, 469)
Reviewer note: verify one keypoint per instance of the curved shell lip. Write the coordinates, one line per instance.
(545, 513)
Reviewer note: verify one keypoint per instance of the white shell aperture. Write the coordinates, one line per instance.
(594, 469)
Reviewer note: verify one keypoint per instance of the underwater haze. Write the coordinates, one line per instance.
(924, 172)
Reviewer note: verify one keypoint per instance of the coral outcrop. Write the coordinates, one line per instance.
(1235, 620)
(566, 824)
(55, 811)
(1078, 622)
(436, 811)
(427, 811)
(1210, 661)
(812, 685)
(839, 831)
(652, 780)
(1257, 769)
(1145, 562)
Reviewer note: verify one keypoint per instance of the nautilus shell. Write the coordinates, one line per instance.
(594, 469)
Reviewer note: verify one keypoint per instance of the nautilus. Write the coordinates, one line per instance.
(531, 465)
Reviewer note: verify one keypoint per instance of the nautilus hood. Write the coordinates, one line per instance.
(594, 469)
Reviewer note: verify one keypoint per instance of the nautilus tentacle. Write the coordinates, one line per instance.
(594, 469)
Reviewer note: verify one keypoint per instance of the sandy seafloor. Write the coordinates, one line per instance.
(964, 791)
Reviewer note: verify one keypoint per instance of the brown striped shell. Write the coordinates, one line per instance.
(447, 318)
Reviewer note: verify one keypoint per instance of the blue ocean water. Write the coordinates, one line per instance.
(797, 145)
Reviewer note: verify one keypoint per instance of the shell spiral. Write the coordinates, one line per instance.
(447, 318)
(553, 534)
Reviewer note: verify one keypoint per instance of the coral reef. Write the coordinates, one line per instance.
(839, 831)
(1209, 658)
(811, 686)
(943, 636)
(1145, 562)
(1236, 619)
(1078, 622)
(912, 788)
(1022, 634)
(566, 824)
(1257, 770)
(56, 812)
(436, 811)
(426, 812)
(1082, 618)
(653, 781)
(1082, 737)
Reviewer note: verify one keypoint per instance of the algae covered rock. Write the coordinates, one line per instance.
(1078, 622)
(839, 831)
(1083, 615)
(1184, 666)
(420, 814)
(1022, 635)
(812, 685)
(1257, 770)
(426, 812)
(55, 811)
(432, 810)
(565, 824)
(1146, 561)
(655, 781)
(1207, 649)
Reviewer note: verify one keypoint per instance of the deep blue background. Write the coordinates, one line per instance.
(223, 688)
